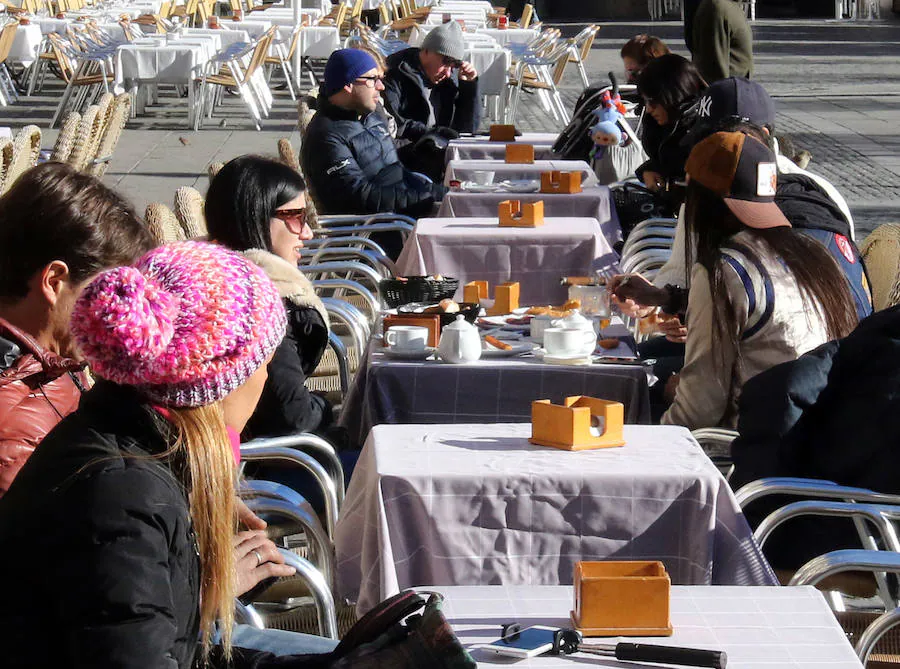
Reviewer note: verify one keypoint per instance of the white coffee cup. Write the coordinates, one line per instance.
(568, 341)
(539, 325)
(483, 177)
(407, 337)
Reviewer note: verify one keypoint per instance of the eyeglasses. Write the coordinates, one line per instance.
(451, 62)
(372, 80)
(294, 219)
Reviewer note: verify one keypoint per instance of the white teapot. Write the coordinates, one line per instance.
(575, 321)
(460, 342)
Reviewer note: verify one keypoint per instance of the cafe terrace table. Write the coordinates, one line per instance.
(26, 44)
(387, 391)
(461, 170)
(472, 249)
(482, 148)
(758, 627)
(508, 36)
(591, 202)
(464, 504)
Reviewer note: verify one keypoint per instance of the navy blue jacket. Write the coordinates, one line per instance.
(352, 167)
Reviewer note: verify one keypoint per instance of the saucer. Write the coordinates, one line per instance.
(517, 349)
(564, 359)
(409, 353)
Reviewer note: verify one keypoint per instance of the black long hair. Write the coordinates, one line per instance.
(243, 197)
(670, 81)
(710, 224)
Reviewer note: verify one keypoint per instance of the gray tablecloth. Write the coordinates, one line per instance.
(488, 391)
(478, 505)
(758, 628)
(593, 202)
(481, 148)
(472, 249)
(462, 170)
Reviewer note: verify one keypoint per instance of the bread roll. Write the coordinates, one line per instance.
(449, 306)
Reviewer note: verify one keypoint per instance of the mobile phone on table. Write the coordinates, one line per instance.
(529, 642)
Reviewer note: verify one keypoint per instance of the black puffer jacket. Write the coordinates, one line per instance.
(407, 95)
(99, 551)
(352, 167)
(834, 414)
(666, 149)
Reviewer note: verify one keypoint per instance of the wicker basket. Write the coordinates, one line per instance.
(397, 292)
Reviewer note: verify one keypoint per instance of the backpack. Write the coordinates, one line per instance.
(402, 632)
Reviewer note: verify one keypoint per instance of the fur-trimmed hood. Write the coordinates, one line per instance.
(292, 285)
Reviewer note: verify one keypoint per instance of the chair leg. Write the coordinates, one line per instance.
(67, 94)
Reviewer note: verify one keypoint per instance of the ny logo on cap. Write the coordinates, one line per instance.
(766, 179)
(704, 108)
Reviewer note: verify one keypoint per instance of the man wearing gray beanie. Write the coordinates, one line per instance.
(433, 88)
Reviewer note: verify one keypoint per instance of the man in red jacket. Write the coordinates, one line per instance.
(58, 228)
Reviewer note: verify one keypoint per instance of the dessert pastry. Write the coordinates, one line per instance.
(608, 343)
(496, 343)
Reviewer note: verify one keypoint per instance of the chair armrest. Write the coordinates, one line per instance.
(310, 443)
(813, 488)
(320, 591)
(345, 267)
(836, 562)
(263, 453)
(247, 615)
(322, 548)
(343, 362)
(873, 633)
(371, 301)
(353, 318)
(351, 241)
(879, 515)
(378, 261)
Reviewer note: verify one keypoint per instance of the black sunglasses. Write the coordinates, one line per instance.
(294, 219)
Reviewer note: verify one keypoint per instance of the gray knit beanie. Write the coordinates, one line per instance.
(447, 40)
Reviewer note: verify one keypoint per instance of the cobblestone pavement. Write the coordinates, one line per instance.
(837, 90)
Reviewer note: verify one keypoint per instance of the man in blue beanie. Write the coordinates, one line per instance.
(348, 156)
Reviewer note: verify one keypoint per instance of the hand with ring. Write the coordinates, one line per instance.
(256, 558)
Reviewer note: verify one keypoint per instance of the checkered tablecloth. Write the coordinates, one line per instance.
(593, 202)
(759, 628)
(487, 391)
(461, 170)
(471, 504)
(471, 249)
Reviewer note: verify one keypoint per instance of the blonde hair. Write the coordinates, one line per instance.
(203, 443)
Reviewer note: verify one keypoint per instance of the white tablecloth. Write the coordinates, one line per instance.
(479, 505)
(226, 37)
(510, 35)
(758, 628)
(418, 32)
(26, 44)
(498, 390)
(461, 170)
(319, 41)
(469, 18)
(253, 27)
(593, 202)
(492, 64)
(472, 249)
(173, 63)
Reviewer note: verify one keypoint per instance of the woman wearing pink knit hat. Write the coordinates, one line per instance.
(123, 521)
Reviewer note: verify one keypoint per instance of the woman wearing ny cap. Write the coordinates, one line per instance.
(761, 294)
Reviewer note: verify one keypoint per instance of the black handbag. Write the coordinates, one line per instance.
(635, 202)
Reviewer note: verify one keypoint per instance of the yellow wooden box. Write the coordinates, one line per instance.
(514, 214)
(475, 291)
(560, 182)
(628, 598)
(568, 427)
(503, 133)
(506, 299)
(520, 154)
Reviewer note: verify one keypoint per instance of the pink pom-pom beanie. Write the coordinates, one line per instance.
(189, 323)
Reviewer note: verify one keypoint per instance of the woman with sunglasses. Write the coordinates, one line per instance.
(258, 206)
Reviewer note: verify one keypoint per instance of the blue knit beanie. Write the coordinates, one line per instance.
(344, 66)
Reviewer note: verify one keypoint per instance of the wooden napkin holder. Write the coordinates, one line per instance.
(430, 321)
(628, 598)
(520, 154)
(506, 296)
(475, 291)
(568, 427)
(503, 133)
(514, 214)
(560, 182)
